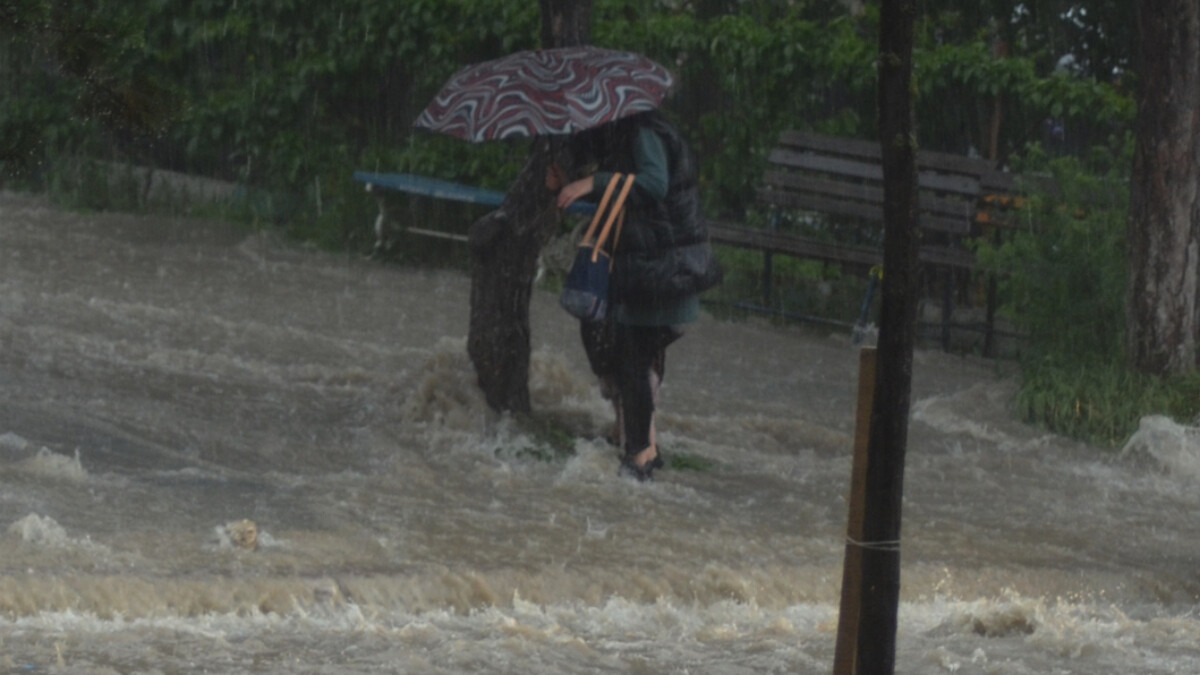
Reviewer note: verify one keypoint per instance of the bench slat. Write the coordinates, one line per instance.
(444, 189)
(807, 161)
(831, 145)
(824, 175)
(801, 247)
(805, 247)
(951, 207)
(431, 187)
(841, 207)
(871, 152)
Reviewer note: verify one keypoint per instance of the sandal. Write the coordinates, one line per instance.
(643, 473)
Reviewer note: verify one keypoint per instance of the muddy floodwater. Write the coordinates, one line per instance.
(163, 380)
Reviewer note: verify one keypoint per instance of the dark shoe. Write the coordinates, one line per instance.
(644, 473)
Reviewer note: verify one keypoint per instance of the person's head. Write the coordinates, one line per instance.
(611, 140)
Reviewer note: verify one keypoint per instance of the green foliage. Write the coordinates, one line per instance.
(1017, 90)
(743, 80)
(489, 165)
(1063, 267)
(1099, 36)
(1063, 277)
(275, 93)
(797, 287)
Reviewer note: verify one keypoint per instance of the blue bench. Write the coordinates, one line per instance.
(377, 183)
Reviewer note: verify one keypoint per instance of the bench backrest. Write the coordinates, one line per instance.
(839, 176)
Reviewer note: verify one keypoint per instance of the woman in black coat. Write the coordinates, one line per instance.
(662, 263)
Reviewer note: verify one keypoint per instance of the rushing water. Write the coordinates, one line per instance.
(161, 379)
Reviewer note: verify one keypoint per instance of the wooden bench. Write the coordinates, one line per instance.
(832, 180)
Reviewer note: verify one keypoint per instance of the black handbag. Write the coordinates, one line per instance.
(585, 293)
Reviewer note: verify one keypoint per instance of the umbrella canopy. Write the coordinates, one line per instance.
(543, 92)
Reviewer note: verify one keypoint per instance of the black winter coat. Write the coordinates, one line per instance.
(664, 254)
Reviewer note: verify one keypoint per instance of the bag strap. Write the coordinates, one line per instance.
(612, 258)
(620, 226)
(612, 185)
(615, 214)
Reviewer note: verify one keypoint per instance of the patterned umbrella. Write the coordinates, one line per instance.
(549, 91)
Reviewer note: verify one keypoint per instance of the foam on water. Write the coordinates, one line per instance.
(1002, 636)
(446, 394)
(1172, 446)
(45, 532)
(946, 413)
(35, 529)
(12, 443)
(592, 462)
(47, 464)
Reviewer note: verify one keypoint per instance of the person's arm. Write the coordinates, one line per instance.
(650, 165)
(576, 189)
(650, 162)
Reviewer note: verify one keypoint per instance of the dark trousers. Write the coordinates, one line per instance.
(624, 357)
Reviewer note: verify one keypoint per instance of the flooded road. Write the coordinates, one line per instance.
(161, 379)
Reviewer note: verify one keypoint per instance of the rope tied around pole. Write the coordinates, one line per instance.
(886, 546)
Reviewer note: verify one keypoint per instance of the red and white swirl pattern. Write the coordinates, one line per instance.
(549, 91)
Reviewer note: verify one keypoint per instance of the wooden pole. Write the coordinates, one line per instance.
(845, 654)
(889, 422)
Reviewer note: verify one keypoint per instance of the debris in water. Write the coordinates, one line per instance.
(243, 534)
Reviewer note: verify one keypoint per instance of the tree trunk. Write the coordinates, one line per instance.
(1164, 224)
(505, 245)
(888, 440)
(566, 23)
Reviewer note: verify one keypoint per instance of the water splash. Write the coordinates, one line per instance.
(47, 464)
(1174, 447)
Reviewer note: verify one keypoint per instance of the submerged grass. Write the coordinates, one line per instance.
(1102, 403)
(680, 461)
(548, 439)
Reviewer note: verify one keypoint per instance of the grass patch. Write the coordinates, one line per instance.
(682, 461)
(1101, 403)
(546, 439)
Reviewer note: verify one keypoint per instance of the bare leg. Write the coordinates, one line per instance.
(645, 457)
(609, 390)
(650, 453)
(655, 383)
(617, 435)
(599, 343)
(642, 351)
